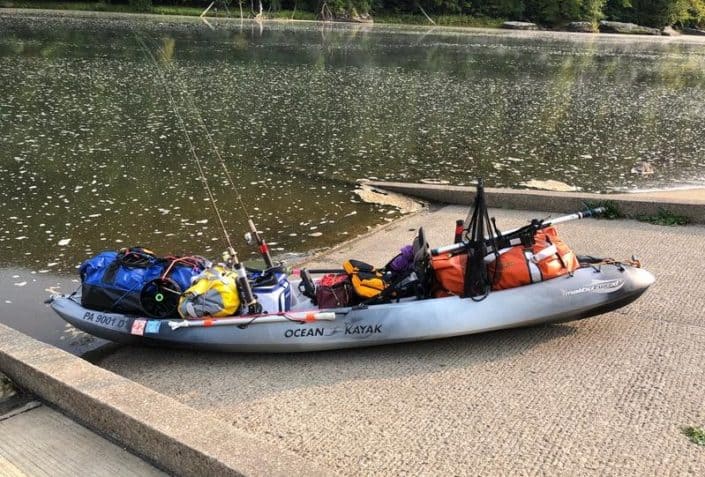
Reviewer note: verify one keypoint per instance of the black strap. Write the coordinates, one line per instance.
(477, 282)
(111, 272)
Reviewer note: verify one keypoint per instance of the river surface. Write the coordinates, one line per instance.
(93, 155)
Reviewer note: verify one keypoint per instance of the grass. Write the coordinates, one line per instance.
(611, 212)
(7, 388)
(100, 7)
(290, 15)
(664, 217)
(441, 20)
(176, 10)
(695, 434)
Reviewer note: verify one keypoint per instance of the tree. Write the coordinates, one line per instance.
(141, 5)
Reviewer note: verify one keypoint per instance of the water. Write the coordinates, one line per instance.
(92, 155)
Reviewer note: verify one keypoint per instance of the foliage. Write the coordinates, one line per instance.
(293, 15)
(7, 388)
(686, 11)
(444, 20)
(695, 434)
(611, 212)
(141, 5)
(657, 13)
(654, 13)
(664, 217)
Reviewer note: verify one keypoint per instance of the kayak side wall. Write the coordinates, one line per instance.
(586, 293)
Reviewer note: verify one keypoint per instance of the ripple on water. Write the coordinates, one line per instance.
(93, 155)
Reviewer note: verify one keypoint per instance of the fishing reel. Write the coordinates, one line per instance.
(160, 297)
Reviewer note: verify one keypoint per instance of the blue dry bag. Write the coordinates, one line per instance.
(114, 281)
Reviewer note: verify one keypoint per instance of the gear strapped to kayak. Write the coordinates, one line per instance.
(493, 260)
(213, 293)
(521, 277)
(549, 257)
(136, 281)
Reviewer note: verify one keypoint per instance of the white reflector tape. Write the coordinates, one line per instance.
(492, 257)
(544, 254)
(533, 269)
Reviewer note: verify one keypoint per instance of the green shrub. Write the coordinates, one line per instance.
(695, 434)
(664, 217)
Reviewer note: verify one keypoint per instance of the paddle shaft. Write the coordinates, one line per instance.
(558, 220)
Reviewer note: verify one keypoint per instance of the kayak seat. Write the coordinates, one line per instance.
(367, 281)
(416, 280)
(307, 286)
(422, 265)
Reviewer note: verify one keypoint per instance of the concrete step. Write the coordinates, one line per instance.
(44, 442)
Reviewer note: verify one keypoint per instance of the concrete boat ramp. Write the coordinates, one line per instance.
(608, 395)
(38, 440)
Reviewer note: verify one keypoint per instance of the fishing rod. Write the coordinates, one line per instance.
(515, 236)
(230, 256)
(253, 236)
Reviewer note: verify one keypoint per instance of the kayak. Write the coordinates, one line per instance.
(589, 291)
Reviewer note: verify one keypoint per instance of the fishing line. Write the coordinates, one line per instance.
(201, 171)
(191, 103)
(253, 234)
(196, 111)
(253, 306)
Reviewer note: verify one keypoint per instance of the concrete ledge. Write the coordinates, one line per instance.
(631, 205)
(176, 437)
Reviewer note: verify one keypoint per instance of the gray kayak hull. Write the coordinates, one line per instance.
(587, 292)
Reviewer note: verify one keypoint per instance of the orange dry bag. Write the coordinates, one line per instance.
(548, 258)
(516, 266)
(450, 274)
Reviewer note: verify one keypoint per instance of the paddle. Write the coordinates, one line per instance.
(513, 237)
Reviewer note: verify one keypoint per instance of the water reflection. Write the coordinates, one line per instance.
(92, 151)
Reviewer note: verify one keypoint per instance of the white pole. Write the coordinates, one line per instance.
(426, 14)
(247, 320)
(206, 10)
(558, 220)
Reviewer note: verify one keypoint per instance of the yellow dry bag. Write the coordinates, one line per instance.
(213, 293)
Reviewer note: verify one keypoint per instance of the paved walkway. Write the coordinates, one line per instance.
(608, 395)
(695, 194)
(43, 442)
